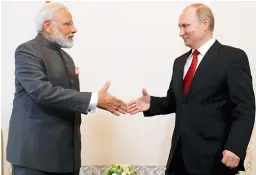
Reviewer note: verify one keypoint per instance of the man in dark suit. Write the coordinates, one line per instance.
(211, 93)
(44, 131)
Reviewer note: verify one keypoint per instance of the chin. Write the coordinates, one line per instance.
(186, 44)
(67, 45)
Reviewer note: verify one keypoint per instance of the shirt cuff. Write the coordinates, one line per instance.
(93, 103)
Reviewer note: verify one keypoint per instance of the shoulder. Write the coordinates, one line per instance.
(28, 47)
(233, 55)
(230, 50)
(227, 50)
(30, 50)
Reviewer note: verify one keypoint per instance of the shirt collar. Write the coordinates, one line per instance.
(204, 48)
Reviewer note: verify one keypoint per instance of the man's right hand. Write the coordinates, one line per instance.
(110, 103)
(141, 104)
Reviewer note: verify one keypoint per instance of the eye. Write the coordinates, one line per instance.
(68, 23)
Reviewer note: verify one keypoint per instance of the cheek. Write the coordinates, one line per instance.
(192, 34)
(197, 35)
(53, 31)
(188, 31)
(64, 30)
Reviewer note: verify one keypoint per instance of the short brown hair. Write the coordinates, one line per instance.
(203, 11)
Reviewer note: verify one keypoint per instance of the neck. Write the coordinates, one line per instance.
(203, 41)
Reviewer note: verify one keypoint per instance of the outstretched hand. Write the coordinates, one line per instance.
(141, 104)
(110, 103)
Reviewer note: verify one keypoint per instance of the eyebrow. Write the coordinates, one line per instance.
(65, 21)
(183, 24)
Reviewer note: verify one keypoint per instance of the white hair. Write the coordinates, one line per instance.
(46, 13)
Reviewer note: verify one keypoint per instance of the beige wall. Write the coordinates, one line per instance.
(132, 44)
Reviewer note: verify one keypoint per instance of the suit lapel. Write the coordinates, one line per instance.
(203, 66)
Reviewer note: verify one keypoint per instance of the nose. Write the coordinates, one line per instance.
(74, 30)
(181, 32)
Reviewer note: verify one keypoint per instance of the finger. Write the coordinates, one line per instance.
(224, 160)
(106, 86)
(232, 166)
(229, 163)
(119, 108)
(131, 103)
(131, 111)
(114, 112)
(122, 110)
(135, 112)
(232, 163)
(144, 92)
(236, 163)
(132, 107)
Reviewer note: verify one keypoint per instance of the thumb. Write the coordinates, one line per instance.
(144, 92)
(106, 86)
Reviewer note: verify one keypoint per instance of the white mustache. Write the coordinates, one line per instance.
(69, 35)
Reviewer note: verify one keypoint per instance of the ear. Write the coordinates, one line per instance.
(206, 23)
(47, 26)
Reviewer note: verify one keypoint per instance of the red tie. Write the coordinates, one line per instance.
(191, 71)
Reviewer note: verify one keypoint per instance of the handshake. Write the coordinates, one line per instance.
(116, 106)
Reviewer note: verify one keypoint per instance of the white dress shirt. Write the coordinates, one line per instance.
(202, 51)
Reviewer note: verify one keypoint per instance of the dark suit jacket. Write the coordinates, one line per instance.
(44, 130)
(218, 112)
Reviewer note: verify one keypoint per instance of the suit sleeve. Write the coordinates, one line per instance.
(162, 105)
(242, 97)
(30, 72)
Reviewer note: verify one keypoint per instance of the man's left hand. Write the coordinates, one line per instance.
(230, 159)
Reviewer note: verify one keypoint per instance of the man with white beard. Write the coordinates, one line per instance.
(44, 131)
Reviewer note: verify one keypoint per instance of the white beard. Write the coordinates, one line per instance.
(62, 40)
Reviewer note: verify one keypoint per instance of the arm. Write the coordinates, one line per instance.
(242, 96)
(29, 71)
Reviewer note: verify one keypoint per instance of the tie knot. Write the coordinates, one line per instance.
(196, 53)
